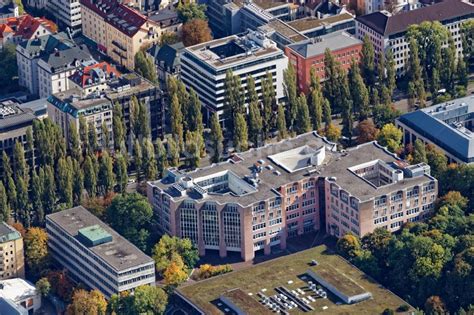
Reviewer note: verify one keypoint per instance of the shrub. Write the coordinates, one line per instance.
(403, 308)
(207, 271)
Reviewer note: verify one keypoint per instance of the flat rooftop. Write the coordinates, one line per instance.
(16, 289)
(118, 253)
(317, 46)
(449, 125)
(272, 175)
(12, 116)
(311, 23)
(286, 30)
(73, 98)
(234, 50)
(290, 272)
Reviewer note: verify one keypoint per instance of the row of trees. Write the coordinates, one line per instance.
(429, 264)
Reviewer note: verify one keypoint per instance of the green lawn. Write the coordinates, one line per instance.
(279, 271)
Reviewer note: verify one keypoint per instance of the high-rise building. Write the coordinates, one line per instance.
(95, 254)
(204, 66)
(67, 13)
(12, 263)
(260, 198)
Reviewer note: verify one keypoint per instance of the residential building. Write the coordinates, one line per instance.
(54, 69)
(258, 199)
(28, 54)
(369, 188)
(224, 17)
(449, 127)
(12, 262)
(167, 19)
(309, 54)
(67, 14)
(36, 4)
(167, 60)
(14, 122)
(94, 78)
(66, 108)
(22, 293)
(121, 31)
(95, 254)
(387, 32)
(204, 66)
(8, 9)
(17, 29)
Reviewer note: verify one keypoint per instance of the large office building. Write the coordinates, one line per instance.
(67, 14)
(448, 126)
(12, 262)
(260, 198)
(204, 66)
(387, 32)
(95, 254)
(309, 54)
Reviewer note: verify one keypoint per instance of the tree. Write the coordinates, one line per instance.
(130, 215)
(4, 206)
(332, 132)
(359, 92)
(74, 142)
(176, 120)
(327, 113)
(138, 158)
(216, 138)
(414, 73)
(175, 274)
(252, 95)
(268, 103)
(437, 160)
(467, 37)
(173, 151)
(195, 32)
(64, 179)
(448, 71)
(92, 145)
(316, 102)
(90, 177)
(145, 67)
(291, 94)
(149, 300)
(348, 245)
(105, 136)
(419, 153)
(161, 157)
(106, 173)
(367, 131)
(23, 206)
(367, 62)
(149, 160)
(462, 72)
(281, 123)
(7, 170)
(43, 286)
(383, 115)
(190, 11)
(83, 132)
(12, 195)
(234, 100)
(120, 171)
(380, 69)
(435, 305)
(390, 137)
(84, 302)
(169, 38)
(77, 182)
(20, 167)
(8, 65)
(303, 121)
(164, 250)
(391, 73)
(49, 189)
(255, 123)
(194, 147)
(194, 115)
(36, 251)
(240, 133)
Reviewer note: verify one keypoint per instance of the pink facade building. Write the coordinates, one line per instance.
(258, 199)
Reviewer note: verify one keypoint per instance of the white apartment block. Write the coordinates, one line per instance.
(387, 31)
(95, 254)
(204, 66)
(67, 13)
(55, 69)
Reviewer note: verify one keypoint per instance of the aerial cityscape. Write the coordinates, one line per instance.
(236, 157)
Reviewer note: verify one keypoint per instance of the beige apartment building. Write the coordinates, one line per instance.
(119, 30)
(258, 199)
(12, 263)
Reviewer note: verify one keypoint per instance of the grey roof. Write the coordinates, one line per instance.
(386, 24)
(169, 54)
(7, 233)
(67, 58)
(269, 181)
(317, 46)
(120, 254)
(47, 44)
(38, 107)
(21, 118)
(435, 124)
(357, 186)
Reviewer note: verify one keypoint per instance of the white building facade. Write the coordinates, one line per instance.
(204, 67)
(67, 13)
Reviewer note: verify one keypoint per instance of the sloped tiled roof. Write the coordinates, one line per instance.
(387, 25)
(169, 54)
(81, 77)
(67, 57)
(25, 26)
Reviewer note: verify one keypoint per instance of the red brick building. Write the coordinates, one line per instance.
(310, 53)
